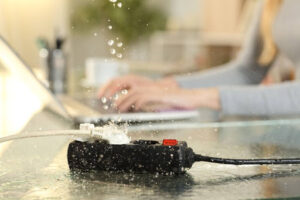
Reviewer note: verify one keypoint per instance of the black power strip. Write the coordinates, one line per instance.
(140, 156)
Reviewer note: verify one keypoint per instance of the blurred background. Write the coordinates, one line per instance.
(94, 40)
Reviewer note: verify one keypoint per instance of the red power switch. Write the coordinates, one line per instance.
(170, 142)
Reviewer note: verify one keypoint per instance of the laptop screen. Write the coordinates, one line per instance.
(22, 95)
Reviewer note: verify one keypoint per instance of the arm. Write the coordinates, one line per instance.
(243, 70)
(279, 99)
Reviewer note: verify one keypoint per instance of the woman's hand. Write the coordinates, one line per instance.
(130, 82)
(156, 98)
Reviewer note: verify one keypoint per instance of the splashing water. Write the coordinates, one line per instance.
(114, 134)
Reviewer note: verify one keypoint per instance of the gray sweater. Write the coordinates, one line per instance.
(238, 80)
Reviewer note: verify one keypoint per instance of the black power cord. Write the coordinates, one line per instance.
(275, 161)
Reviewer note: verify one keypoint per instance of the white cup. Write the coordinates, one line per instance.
(99, 70)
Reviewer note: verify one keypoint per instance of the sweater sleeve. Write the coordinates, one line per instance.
(244, 70)
(279, 99)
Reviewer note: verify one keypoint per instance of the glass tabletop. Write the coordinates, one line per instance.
(38, 169)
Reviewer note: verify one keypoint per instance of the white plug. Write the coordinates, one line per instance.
(87, 127)
(92, 133)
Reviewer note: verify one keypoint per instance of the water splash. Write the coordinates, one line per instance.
(114, 134)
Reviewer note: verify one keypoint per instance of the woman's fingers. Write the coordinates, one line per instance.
(138, 98)
(113, 87)
(116, 86)
(104, 88)
(125, 82)
(126, 102)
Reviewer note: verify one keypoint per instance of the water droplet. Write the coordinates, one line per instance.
(116, 96)
(120, 44)
(105, 107)
(119, 5)
(119, 55)
(109, 27)
(113, 51)
(124, 92)
(110, 42)
(95, 34)
(103, 99)
(117, 38)
(113, 1)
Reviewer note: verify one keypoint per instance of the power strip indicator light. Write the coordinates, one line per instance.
(170, 142)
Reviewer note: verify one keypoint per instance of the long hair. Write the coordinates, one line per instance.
(269, 48)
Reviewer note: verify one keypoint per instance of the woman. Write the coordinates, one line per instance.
(234, 88)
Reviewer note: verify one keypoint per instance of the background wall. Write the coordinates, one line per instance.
(23, 21)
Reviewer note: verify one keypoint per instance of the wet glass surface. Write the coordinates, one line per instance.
(37, 168)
